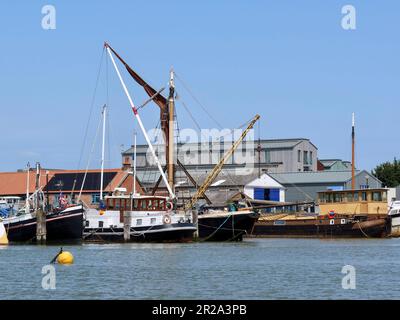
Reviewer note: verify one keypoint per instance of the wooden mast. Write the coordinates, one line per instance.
(170, 145)
(353, 142)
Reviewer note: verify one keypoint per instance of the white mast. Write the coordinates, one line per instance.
(172, 195)
(28, 168)
(134, 166)
(102, 152)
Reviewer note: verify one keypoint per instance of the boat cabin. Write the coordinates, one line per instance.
(363, 201)
(10, 202)
(126, 203)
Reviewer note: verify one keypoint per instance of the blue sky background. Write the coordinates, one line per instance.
(290, 61)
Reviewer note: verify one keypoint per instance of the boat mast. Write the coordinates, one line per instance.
(102, 152)
(353, 142)
(135, 112)
(28, 169)
(171, 127)
(134, 165)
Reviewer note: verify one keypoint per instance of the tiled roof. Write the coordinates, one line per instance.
(14, 183)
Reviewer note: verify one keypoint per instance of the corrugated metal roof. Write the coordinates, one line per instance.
(313, 177)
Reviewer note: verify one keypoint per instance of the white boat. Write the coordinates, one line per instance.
(394, 214)
(3, 234)
(148, 219)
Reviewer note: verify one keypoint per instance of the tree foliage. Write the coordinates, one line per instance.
(388, 173)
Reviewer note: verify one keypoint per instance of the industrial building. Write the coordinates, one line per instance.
(270, 156)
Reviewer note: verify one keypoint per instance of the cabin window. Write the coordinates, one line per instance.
(150, 204)
(162, 204)
(110, 203)
(153, 220)
(377, 196)
(356, 197)
(156, 205)
(127, 204)
(364, 196)
(143, 204)
(350, 197)
(101, 224)
(95, 198)
(135, 204)
(117, 204)
(337, 197)
(139, 222)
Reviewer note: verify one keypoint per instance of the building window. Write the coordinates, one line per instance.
(267, 156)
(298, 156)
(311, 157)
(95, 198)
(305, 158)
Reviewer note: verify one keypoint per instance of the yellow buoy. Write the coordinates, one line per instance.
(65, 257)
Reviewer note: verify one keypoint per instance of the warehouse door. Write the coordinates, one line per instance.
(259, 194)
(274, 195)
(266, 194)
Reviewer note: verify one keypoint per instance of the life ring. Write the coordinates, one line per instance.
(169, 206)
(167, 219)
(331, 214)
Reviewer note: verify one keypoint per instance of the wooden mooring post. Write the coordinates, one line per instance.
(41, 232)
(127, 225)
(195, 217)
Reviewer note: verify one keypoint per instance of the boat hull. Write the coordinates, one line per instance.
(231, 226)
(376, 227)
(395, 229)
(174, 232)
(66, 225)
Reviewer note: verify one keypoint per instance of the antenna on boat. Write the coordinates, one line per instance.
(135, 112)
(353, 141)
(104, 113)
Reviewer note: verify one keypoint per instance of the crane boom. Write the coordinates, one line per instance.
(217, 169)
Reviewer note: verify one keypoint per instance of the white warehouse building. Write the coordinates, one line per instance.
(265, 188)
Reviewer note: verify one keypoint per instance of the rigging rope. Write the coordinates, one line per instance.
(89, 118)
(197, 101)
(90, 158)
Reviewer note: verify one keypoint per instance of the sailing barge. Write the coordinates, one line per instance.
(217, 224)
(348, 213)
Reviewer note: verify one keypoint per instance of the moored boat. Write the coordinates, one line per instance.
(226, 223)
(394, 214)
(148, 219)
(347, 213)
(3, 234)
(61, 225)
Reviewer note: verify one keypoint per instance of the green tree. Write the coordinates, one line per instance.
(388, 173)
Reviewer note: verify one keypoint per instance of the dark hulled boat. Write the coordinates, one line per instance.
(321, 227)
(347, 213)
(224, 224)
(61, 225)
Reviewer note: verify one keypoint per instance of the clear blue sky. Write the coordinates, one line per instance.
(290, 61)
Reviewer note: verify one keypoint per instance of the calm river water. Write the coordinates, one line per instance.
(253, 269)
